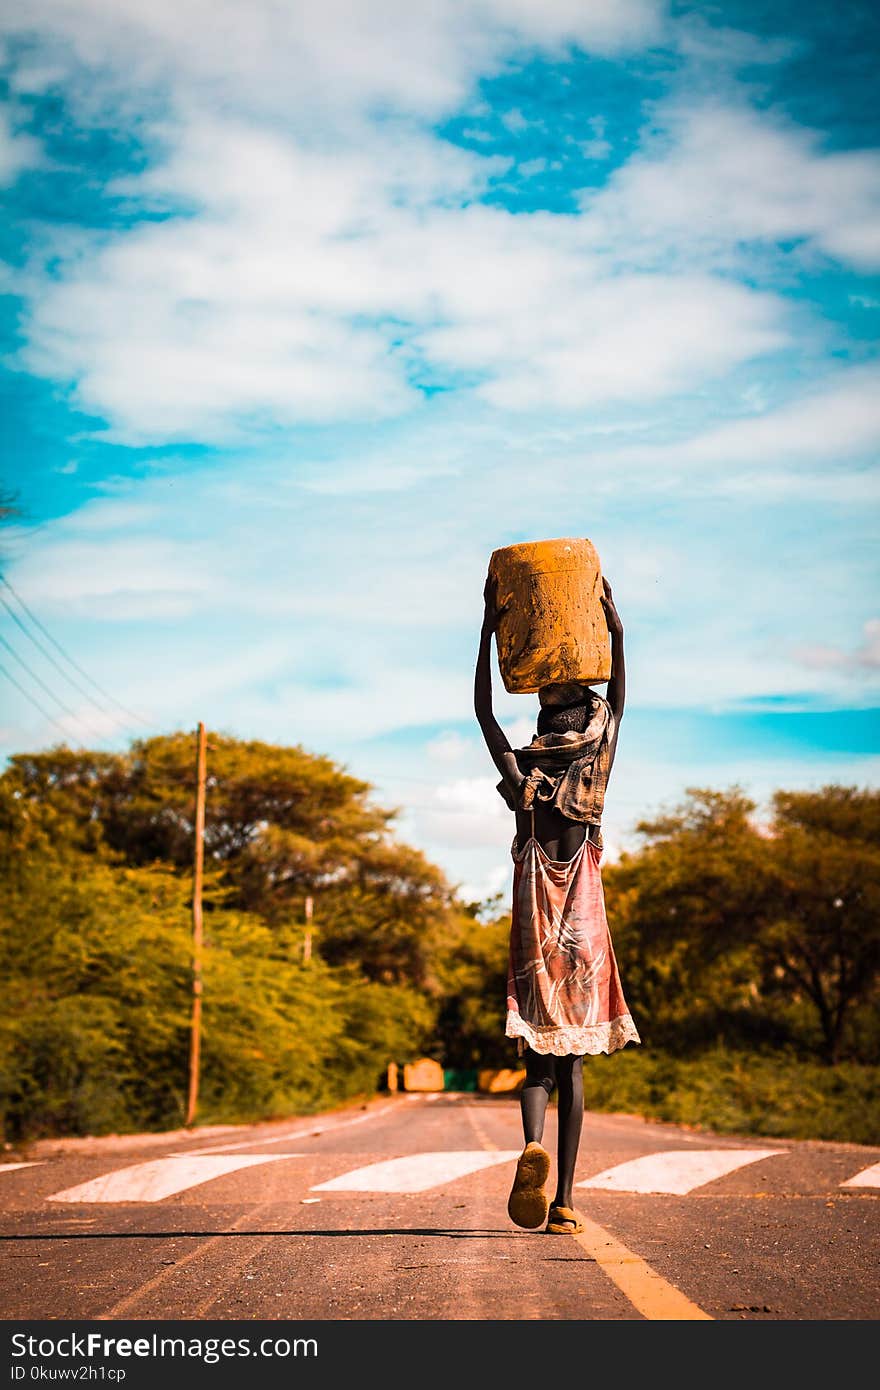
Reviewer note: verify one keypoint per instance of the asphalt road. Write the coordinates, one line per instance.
(281, 1221)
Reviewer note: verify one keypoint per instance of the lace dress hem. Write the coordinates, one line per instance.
(565, 1041)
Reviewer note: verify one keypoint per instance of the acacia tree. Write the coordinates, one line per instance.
(820, 913)
(682, 911)
(95, 953)
(717, 917)
(281, 823)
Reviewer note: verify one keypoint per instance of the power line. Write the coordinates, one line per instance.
(26, 693)
(52, 696)
(50, 658)
(67, 657)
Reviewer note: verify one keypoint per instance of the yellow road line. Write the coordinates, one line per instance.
(479, 1129)
(648, 1292)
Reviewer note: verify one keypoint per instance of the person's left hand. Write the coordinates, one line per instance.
(492, 609)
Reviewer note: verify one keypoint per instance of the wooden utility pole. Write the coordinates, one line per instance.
(307, 943)
(198, 866)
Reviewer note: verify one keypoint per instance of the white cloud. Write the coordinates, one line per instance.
(121, 515)
(868, 654)
(114, 576)
(824, 656)
(449, 747)
(375, 609)
(322, 250)
(634, 337)
(282, 589)
(382, 697)
(521, 729)
(470, 795)
(340, 57)
(516, 122)
(316, 261)
(18, 150)
(717, 48)
(836, 419)
(833, 486)
(594, 149)
(310, 287)
(495, 880)
(716, 178)
(468, 813)
(839, 418)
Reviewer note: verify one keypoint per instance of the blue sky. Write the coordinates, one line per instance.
(308, 309)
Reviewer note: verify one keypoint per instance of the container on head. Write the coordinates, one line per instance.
(553, 631)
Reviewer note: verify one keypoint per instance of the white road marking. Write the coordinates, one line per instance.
(416, 1172)
(150, 1182)
(677, 1172)
(7, 1167)
(868, 1177)
(301, 1133)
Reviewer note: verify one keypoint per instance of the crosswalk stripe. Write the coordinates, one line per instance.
(677, 1172)
(162, 1177)
(7, 1167)
(307, 1132)
(868, 1177)
(415, 1172)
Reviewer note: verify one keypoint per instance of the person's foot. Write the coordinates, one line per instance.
(564, 1221)
(527, 1205)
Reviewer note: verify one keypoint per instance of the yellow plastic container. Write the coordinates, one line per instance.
(423, 1075)
(500, 1082)
(554, 629)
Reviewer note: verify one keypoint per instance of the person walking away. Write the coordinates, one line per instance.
(564, 995)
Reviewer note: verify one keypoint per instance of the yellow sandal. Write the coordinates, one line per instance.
(527, 1204)
(565, 1221)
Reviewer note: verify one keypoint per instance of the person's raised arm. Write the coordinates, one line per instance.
(496, 739)
(616, 693)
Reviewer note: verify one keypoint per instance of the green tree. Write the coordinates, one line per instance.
(472, 976)
(281, 823)
(95, 937)
(682, 912)
(819, 918)
(390, 913)
(724, 925)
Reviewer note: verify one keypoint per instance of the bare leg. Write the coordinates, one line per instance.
(540, 1076)
(527, 1204)
(570, 1101)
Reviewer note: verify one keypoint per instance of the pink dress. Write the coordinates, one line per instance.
(563, 987)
